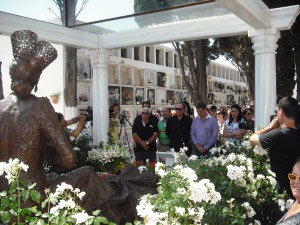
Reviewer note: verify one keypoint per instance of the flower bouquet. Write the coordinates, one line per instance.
(108, 158)
(150, 166)
(83, 98)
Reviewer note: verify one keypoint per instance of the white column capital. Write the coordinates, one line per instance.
(264, 40)
(99, 58)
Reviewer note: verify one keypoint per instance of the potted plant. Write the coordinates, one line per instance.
(55, 97)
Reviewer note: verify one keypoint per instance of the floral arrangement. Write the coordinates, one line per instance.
(59, 207)
(181, 198)
(82, 144)
(150, 166)
(235, 186)
(83, 98)
(108, 158)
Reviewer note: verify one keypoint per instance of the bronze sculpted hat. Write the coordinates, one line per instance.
(26, 48)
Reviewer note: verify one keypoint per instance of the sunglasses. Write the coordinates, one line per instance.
(293, 177)
(144, 113)
(249, 114)
(251, 106)
(178, 109)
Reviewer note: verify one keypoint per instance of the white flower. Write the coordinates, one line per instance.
(81, 217)
(250, 211)
(257, 222)
(2, 168)
(160, 169)
(62, 187)
(193, 158)
(260, 176)
(246, 144)
(69, 204)
(289, 203)
(181, 191)
(191, 211)
(142, 169)
(259, 150)
(235, 172)
(273, 181)
(180, 210)
(76, 149)
(281, 204)
(254, 194)
(80, 195)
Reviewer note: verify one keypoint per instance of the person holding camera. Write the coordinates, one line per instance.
(114, 123)
(81, 119)
(282, 137)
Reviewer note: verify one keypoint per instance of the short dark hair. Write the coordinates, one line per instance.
(59, 116)
(289, 106)
(181, 103)
(145, 102)
(213, 107)
(201, 105)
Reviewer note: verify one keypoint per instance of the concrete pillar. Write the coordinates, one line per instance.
(99, 61)
(264, 45)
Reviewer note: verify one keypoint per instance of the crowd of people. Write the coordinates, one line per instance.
(211, 128)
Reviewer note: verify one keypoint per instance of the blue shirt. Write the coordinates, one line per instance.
(205, 131)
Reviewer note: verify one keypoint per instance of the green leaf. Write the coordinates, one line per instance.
(36, 196)
(4, 202)
(40, 222)
(96, 212)
(25, 196)
(5, 217)
(103, 220)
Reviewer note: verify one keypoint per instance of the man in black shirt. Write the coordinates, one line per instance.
(178, 129)
(283, 139)
(144, 134)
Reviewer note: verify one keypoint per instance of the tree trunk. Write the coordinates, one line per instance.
(1, 84)
(70, 92)
(201, 70)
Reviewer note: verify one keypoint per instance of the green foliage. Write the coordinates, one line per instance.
(242, 176)
(22, 204)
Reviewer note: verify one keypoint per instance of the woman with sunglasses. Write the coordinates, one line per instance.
(293, 215)
(232, 132)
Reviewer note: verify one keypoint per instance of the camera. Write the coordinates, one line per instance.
(122, 118)
(88, 112)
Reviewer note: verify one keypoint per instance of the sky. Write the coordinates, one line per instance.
(94, 10)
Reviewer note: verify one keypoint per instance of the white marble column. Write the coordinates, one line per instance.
(264, 45)
(99, 61)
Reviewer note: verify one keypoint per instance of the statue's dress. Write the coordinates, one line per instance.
(29, 124)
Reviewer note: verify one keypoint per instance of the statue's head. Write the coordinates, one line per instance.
(31, 58)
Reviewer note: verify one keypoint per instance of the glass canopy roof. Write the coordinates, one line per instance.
(102, 16)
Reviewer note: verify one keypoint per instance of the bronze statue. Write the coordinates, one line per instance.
(29, 130)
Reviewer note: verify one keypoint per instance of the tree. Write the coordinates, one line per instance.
(191, 54)
(238, 50)
(1, 85)
(290, 41)
(70, 73)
